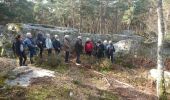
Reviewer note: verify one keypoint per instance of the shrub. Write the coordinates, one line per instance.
(104, 65)
(125, 60)
(49, 61)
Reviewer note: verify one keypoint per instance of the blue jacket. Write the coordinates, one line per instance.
(110, 49)
(28, 42)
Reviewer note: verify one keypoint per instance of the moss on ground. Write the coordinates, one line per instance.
(54, 92)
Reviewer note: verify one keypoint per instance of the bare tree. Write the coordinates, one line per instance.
(161, 93)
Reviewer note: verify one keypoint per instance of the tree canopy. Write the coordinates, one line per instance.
(92, 16)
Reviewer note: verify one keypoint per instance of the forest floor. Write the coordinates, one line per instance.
(84, 83)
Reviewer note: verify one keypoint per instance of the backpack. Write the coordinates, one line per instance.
(89, 47)
(110, 49)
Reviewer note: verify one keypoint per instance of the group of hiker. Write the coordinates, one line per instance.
(99, 49)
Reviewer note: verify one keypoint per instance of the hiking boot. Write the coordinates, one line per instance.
(78, 64)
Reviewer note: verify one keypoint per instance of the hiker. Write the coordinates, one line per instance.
(89, 47)
(105, 43)
(40, 41)
(57, 44)
(20, 51)
(78, 49)
(110, 51)
(28, 42)
(100, 50)
(67, 47)
(14, 47)
(49, 44)
(94, 52)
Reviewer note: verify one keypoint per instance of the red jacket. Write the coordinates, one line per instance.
(89, 46)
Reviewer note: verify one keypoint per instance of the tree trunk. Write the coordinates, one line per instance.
(160, 66)
(100, 24)
(73, 14)
(80, 24)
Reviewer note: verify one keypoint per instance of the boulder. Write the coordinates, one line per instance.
(153, 74)
(126, 46)
(24, 75)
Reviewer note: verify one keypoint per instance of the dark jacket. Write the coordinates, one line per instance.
(19, 48)
(78, 46)
(110, 49)
(40, 41)
(56, 45)
(100, 50)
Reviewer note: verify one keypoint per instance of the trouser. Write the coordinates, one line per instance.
(78, 57)
(41, 51)
(89, 53)
(49, 52)
(22, 59)
(57, 51)
(100, 55)
(67, 56)
(31, 57)
(111, 58)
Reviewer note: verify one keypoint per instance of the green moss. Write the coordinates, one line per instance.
(104, 95)
(77, 82)
(163, 95)
(47, 92)
(2, 80)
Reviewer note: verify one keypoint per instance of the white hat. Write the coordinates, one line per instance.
(79, 37)
(87, 39)
(110, 42)
(28, 34)
(105, 42)
(56, 36)
(66, 36)
(48, 35)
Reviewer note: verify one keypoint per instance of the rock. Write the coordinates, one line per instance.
(6, 65)
(153, 74)
(18, 71)
(24, 74)
(125, 45)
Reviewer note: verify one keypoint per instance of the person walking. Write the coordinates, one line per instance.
(49, 44)
(105, 43)
(110, 51)
(28, 42)
(78, 49)
(40, 41)
(20, 51)
(57, 44)
(67, 47)
(89, 47)
(100, 50)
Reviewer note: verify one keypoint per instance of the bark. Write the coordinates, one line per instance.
(100, 25)
(73, 14)
(80, 24)
(160, 66)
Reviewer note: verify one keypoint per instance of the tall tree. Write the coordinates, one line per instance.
(161, 93)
